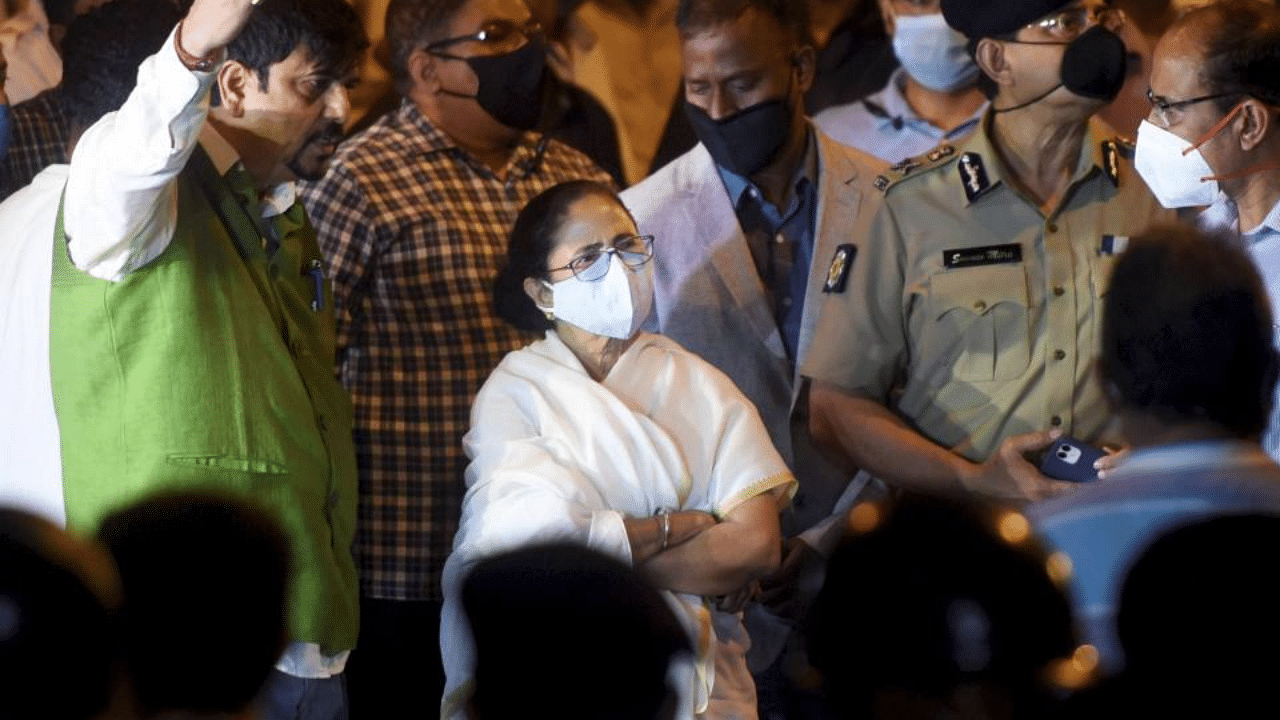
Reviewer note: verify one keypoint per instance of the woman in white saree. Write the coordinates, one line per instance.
(617, 439)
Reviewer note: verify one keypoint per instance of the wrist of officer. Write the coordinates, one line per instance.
(970, 477)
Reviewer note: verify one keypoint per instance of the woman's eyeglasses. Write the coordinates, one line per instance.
(593, 265)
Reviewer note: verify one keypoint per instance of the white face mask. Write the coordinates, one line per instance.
(615, 306)
(932, 53)
(1176, 179)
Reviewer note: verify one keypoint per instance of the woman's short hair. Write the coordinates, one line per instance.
(1187, 333)
(532, 238)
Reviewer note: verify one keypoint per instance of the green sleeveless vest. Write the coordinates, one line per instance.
(213, 365)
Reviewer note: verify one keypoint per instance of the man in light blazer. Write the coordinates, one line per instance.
(757, 221)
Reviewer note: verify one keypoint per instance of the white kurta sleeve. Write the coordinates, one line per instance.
(522, 490)
(121, 198)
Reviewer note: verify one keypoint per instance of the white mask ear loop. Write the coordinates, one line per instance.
(548, 311)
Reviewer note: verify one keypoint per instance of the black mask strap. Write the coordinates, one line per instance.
(1032, 101)
(1042, 95)
(443, 90)
(446, 91)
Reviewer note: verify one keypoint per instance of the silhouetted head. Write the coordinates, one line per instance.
(563, 631)
(205, 578)
(930, 604)
(60, 645)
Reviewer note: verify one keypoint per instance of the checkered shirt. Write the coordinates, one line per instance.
(414, 230)
(41, 129)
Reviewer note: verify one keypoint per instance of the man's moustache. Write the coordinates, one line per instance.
(329, 135)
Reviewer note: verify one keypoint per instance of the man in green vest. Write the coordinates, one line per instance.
(191, 326)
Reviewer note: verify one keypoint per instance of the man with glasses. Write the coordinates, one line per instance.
(968, 335)
(1213, 135)
(933, 97)
(413, 218)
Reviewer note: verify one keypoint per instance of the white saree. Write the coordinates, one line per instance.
(557, 456)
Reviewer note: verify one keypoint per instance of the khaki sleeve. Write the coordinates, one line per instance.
(861, 343)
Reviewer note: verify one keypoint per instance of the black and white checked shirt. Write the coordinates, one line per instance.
(414, 230)
(41, 130)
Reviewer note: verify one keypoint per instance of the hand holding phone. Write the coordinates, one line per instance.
(1071, 460)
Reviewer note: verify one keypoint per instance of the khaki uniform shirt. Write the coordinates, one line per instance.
(969, 310)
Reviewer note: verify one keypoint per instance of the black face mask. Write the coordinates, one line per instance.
(513, 87)
(1093, 66)
(746, 141)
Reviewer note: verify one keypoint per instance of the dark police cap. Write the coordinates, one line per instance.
(988, 18)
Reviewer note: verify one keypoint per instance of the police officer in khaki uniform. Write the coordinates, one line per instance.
(961, 335)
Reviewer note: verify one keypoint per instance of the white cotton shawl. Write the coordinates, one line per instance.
(557, 456)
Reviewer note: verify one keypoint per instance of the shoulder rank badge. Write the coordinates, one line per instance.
(904, 166)
(838, 273)
(1111, 161)
(942, 151)
(973, 175)
(907, 165)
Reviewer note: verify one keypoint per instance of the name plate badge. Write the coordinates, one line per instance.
(986, 255)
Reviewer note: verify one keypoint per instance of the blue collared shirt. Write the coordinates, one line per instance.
(1106, 525)
(1263, 244)
(795, 226)
(884, 125)
(6, 128)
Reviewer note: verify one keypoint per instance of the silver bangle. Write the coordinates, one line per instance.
(664, 519)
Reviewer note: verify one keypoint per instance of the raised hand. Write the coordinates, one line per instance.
(211, 24)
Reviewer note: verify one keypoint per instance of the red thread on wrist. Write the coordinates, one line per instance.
(192, 62)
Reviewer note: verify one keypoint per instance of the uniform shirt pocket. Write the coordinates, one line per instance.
(981, 320)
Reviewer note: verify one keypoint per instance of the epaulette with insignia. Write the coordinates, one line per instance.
(838, 273)
(1111, 161)
(906, 166)
(940, 152)
(973, 176)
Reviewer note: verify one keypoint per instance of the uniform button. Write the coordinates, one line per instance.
(1059, 354)
(1052, 227)
(779, 238)
(1059, 291)
(980, 305)
(786, 302)
(1055, 420)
